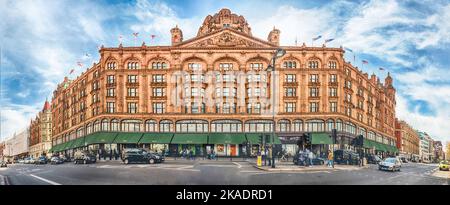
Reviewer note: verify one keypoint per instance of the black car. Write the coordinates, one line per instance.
(373, 159)
(56, 160)
(3, 164)
(83, 157)
(348, 157)
(302, 159)
(141, 156)
(41, 160)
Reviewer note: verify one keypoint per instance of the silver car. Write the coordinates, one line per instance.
(390, 164)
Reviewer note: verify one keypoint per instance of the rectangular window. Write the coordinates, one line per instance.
(158, 78)
(258, 108)
(314, 107)
(226, 92)
(132, 92)
(333, 78)
(195, 66)
(348, 97)
(256, 66)
(333, 92)
(132, 107)
(110, 107)
(290, 92)
(226, 66)
(348, 84)
(289, 107)
(159, 92)
(132, 79)
(110, 79)
(314, 78)
(314, 92)
(218, 93)
(158, 108)
(333, 106)
(194, 92)
(290, 78)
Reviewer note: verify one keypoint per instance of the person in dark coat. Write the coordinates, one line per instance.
(115, 155)
(110, 154)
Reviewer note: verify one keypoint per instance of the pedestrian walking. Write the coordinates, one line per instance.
(115, 155)
(310, 156)
(330, 158)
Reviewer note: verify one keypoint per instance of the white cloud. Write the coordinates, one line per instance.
(16, 118)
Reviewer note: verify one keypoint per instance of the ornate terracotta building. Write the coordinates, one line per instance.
(212, 92)
(41, 132)
(407, 140)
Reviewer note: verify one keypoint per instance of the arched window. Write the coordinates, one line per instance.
(133, 65)
(159, 65)
(226, 126)
(350, 128)
(80, 132)
(332, 65)
(105, 125)
(150, 126)
(89, 129)
(165, 126)
(131, 125)
(111, 65)
(97, 126)
(297, 126)
(259, 126)
(330, 125)
(114, 125)
(362, 131)
(315, 125)
(313, 64)
(192, 126)
(284, 126)
(339, 125)
(290, 64)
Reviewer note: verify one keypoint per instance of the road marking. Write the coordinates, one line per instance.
(237, 164)
(186, 167)
(45, 180)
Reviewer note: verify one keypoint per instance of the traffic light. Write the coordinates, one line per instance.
(307, 137)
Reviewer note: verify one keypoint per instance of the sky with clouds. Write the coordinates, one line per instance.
(42, 40)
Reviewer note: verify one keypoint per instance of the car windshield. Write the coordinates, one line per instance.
(390, 160)
(444, 162)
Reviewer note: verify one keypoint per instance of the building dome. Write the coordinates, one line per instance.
(224, 19)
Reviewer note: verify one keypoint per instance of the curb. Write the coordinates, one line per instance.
(305, 170)
(4, 180)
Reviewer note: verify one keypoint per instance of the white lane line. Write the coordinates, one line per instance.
(237, 164)
(186, 167)
(45, 180)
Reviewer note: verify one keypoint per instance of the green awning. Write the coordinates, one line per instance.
(79, 142)
(156, 138)
(67, 145)
(369, 144)
(191, 138)
(321, 138)
(101, 137)
(128, 137)
(227, 138)
(55, 148)
(253, 138)
(380, 147)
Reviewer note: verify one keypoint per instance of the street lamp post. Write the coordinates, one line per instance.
(278, 54)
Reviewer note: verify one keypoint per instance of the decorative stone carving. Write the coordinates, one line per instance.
(226, 39)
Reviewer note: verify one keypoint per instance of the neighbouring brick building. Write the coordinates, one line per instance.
(407, 140)
(41, 132)
(212, 92)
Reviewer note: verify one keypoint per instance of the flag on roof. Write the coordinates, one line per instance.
(382, 69)
(365, 62)
(348, 49)
(136, 34)
(79, 64)
(329, 40)
(152, 36)
(71, 71)
(317, 38)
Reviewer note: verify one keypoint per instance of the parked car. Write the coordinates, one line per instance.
(443, 165)
(301, 158)
(83, 157)
(3, 164)
(41, 160)
(141, 156)
(21, 161)
(29, 160)
(348, 157)
(373, 159)
(390, 164)
(56, 160)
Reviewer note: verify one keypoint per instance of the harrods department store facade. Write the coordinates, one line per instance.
(213, 92)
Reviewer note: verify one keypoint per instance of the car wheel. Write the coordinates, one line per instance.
(84, 162)
(151, 161)
(126, 161)
(75, 162)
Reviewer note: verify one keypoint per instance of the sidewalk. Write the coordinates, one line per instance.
(289, 166)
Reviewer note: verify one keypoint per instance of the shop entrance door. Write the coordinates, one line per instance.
(233, 150)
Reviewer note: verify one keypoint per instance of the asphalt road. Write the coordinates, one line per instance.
(182, 172)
